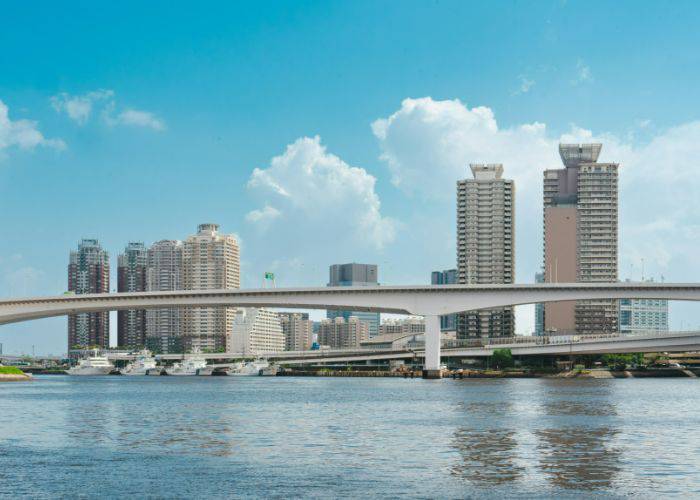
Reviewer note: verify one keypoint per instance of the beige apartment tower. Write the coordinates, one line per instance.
(486, 245)
(298, 331)
(210, 260)
(580, 237)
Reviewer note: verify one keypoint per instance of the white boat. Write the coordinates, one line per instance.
(191, 365)
(142, 365)
(251, 368)
(93, 365)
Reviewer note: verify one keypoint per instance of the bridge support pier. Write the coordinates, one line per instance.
(431, 365)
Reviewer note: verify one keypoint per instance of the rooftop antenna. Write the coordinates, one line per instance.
(642, 269)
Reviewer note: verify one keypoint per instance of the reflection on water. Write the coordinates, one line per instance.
(569, 407)
(487, 456)
(578, 458)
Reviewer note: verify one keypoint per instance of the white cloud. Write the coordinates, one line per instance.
(525, 84)
(429, 144)
(583, 73)
(137, 118)
(263, 216)
(79, 108)
(323, 193)
(23, 134)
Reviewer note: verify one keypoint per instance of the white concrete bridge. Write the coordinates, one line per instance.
(430, 301)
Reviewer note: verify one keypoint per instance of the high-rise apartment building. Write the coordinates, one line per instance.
(88, 272)
(131, 277)
(355, 275)
(339, 333)
(643, 315)
(448, 322)
(485, 245)
(210, 260)
(298, 331)
(255, 331)
(164, 273)
(580, 237)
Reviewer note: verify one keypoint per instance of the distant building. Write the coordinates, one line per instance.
(131, 277)
(355, 275)
(410, 325)
(210, 260)
(163, 274)
(580, 237)
(255, 331)
(643, 315)
(447, 277)
(298, 331)
(539, 309)
(88, 272)
(486, 245)
(338, 333)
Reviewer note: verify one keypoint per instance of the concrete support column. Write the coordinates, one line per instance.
(431, 367)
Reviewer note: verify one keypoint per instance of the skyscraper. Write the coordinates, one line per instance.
(131, 277)
(297, 329)
(447, 277)
(485, 245)
(355, 275)
(580, 237)
(88, 272)
(209, 261)
(164, 273)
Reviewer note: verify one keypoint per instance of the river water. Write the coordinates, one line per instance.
(267, 437)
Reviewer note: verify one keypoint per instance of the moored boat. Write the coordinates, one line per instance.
(92, 365)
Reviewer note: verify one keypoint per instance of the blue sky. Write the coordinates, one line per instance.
(137, 122)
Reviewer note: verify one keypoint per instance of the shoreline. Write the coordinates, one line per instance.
(15, 377)
(476, 374)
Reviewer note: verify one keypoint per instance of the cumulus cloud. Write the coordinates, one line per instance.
(323, 190)
(429, 144)
(23, 134)
(314, 209)
(79, 108)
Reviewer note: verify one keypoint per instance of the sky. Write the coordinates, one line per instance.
(329, 132)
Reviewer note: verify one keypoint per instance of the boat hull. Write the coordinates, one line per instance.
(92, 370)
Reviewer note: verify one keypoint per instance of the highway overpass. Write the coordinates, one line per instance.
(430, 301)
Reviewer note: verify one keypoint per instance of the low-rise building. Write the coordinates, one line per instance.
(255, 331)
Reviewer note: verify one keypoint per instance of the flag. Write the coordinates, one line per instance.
(269, 276)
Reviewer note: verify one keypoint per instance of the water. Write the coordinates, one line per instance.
(348, 437)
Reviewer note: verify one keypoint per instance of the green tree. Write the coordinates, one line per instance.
(620, 361)
(502, 358)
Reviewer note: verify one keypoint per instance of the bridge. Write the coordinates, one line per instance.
(475, 348)
(430, 301)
